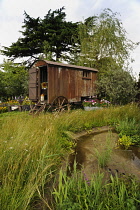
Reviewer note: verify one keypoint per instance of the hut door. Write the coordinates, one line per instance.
(44, 82)
(33, 84)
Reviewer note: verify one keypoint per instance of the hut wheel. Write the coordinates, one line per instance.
(59, 104)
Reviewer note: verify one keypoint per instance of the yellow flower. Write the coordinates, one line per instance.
(126, 141)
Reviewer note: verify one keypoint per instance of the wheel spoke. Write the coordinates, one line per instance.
(63, 102)
(59, 104)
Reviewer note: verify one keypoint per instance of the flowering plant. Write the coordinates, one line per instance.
(44, 85)
(3, 109)
(27, 101)
(13, 102)
(96, 103)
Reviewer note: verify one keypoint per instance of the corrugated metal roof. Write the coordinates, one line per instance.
(70, 66)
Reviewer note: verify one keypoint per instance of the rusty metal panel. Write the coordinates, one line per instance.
(75, 88)
(58, 82)
(40, 63)
(70, 66)
(69, 83)
(79, 84)
(52, 83)
(63, 80)
(87, 84)
(72, 85)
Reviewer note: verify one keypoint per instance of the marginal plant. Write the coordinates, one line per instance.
(129, 131)
(105, 155)
(128, 127)
(75, 193)
(125, 141)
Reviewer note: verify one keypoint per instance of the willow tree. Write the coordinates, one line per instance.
(103, 42)
(104, 45)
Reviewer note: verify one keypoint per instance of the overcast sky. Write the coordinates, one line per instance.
(11, 17)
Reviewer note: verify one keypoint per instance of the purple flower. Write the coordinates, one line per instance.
(85, 178)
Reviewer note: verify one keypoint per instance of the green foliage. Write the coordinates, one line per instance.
(105, 46)
(51, 35)
(128, 126)
(125, 141)
(2, 84)
(100, 42)
(104, 156)
(60, 32)
(3, 109)
(129, 132)
(136, 139)
(103, 42)
(118, 86)
(14, 79)
(32, 150)
(77, 192)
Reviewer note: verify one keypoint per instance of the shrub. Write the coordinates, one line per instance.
(117, 86)
(3, 109)
(129, 132)
(125, 141)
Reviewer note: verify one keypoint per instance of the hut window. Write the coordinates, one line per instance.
(86, 74)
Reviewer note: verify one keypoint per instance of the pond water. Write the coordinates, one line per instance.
(100, 143)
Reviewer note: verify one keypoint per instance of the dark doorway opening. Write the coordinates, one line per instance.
(44, 81)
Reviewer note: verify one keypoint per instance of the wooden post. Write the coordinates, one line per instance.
(9, 108)
(20, 108)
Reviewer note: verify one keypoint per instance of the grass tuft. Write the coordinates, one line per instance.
(32, 149)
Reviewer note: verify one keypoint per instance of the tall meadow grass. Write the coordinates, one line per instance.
(32, 149)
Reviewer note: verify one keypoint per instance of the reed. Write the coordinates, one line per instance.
(76, 192)
(32, 150)
(104, 156)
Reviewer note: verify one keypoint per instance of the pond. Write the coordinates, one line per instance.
(99, 151)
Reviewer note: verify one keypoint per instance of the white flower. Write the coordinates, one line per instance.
(26, 150)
